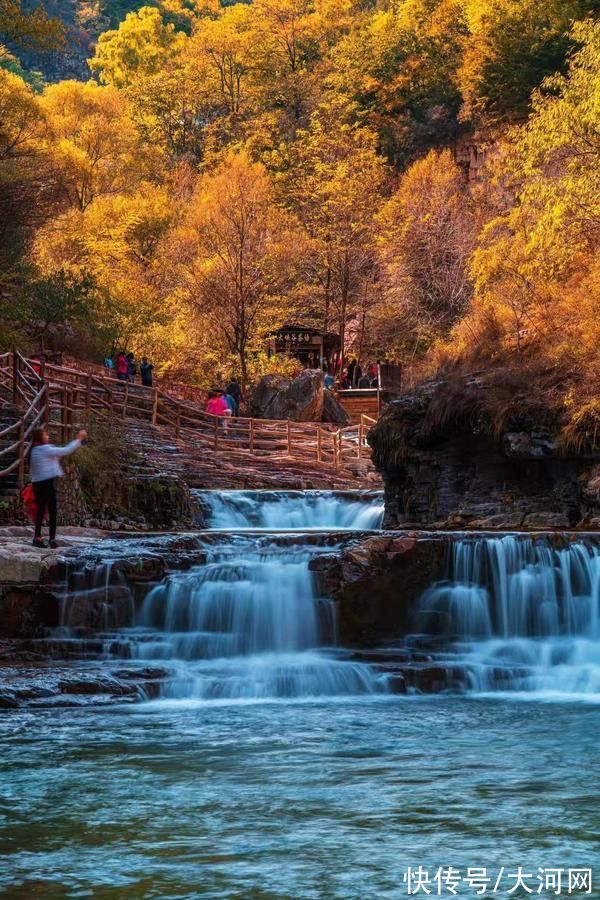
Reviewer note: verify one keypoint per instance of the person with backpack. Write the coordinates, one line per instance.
(45, 468)
(218, 406)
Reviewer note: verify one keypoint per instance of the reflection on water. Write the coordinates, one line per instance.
(291, 800)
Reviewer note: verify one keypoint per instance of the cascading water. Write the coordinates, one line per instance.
(520, 614)
(289, 510)
(248, 624)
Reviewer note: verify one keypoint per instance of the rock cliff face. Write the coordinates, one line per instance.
(446, 463)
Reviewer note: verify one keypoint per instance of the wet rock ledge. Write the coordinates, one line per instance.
(377, 582)
(61, 611)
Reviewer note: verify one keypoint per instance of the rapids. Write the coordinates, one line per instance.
(289, 510)
(520, 615)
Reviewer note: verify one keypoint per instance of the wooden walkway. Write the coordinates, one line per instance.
(63, 398)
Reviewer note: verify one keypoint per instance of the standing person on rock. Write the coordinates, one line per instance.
(45, 469)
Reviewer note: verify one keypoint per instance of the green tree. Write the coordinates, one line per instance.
(513, 45)
(53, 303)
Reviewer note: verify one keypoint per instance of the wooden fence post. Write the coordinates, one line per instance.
(15, 378)
(125, 396)
(21, 479)
(71, 398)
(88, 394)
(360, 435)
(154, 405)
(216, 424)
(46, 402)
(64, 416)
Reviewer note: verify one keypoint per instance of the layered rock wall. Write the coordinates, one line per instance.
(463, 473)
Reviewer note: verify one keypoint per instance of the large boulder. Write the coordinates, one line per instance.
(376, 583)
(333, 411)
(299, 399)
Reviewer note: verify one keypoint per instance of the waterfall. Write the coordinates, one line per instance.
(289, 510)
(519, 613)
(248, 624)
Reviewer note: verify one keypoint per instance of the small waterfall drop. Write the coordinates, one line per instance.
(520, 614)
(290, 510)
(248, 625)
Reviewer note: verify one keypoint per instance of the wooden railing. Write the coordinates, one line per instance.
(165, 384)
(28, 395)
(62, 398)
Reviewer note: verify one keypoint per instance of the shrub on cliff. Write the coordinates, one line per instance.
(104, 468)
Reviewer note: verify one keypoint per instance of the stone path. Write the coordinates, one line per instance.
(201, 468)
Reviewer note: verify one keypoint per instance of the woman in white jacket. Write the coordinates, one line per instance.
(44, 461)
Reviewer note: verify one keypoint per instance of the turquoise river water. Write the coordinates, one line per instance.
(273, 769)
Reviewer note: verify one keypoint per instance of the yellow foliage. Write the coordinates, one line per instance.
(142, 45)
(92, 140)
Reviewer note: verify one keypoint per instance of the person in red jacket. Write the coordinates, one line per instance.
(217, 406)
(122, 366)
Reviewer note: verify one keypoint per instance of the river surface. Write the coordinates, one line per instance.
(332, 799)
(275, 765)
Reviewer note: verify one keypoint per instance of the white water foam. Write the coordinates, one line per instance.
(248, 625)
(291, 510)
(522, 615)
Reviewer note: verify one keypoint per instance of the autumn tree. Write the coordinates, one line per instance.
(426, 239)
(513, 45)
(231, 257)
(92, 141)
(336, 185)
(552, 165)
(28, 186)
(143, 44)
(222, 53)
(32, 29)
(115, 241)
(398, 65)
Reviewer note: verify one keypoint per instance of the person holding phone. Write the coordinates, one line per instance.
(45, 468)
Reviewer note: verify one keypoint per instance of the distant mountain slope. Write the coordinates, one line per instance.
(84, 20)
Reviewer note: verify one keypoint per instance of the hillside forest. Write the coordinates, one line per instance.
(420, 176)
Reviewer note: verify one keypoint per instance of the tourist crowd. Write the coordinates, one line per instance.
(126, 368)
